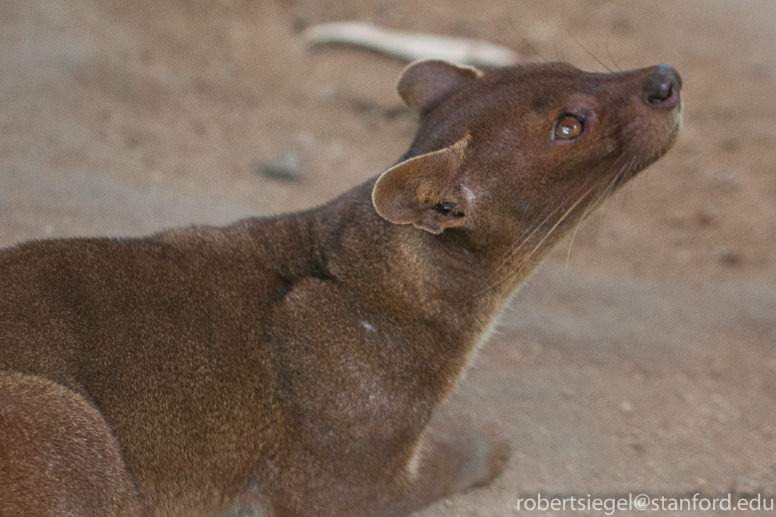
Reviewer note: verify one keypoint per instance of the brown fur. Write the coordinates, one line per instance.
(291, 365)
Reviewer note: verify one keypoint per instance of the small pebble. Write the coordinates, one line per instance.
(287, 166)
(745, 487)
(728, 257)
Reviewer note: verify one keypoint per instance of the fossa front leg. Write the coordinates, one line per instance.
(455, 455)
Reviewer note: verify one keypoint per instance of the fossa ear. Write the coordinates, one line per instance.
(423, 190)
(424, 84)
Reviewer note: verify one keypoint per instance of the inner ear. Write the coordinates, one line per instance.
(424, 190)
(424, 84)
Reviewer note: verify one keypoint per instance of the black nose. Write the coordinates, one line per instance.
(662, 88)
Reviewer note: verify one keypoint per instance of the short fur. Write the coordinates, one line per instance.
(291, 365)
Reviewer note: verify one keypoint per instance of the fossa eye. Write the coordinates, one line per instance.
(568, 127)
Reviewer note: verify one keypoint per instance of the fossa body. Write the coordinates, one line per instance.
(290, 365)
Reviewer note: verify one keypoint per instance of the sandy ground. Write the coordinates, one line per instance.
(641, 358)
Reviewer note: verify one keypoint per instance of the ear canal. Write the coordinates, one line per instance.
(424, 84)
(417, 191)
(404, 192)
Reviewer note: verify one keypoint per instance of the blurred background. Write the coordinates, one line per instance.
(640, 358)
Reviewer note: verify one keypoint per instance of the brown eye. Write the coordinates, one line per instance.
(568, 127)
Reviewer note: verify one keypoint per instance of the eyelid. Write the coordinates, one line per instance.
(579, 116)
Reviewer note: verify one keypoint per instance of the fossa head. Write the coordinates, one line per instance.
(524, 151)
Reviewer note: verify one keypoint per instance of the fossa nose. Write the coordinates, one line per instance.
(661, 89)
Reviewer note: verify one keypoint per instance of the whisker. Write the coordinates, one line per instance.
(531, 230)
(525, 40)
(536, 248)
(511, 253)
(591, 207)
(560, 221)
(609, 52)
(568, 31)
(632, 165)
(556, 38)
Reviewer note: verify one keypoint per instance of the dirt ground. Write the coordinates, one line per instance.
(640, 359)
